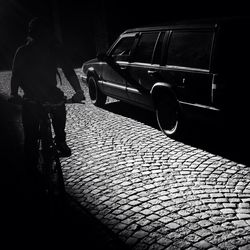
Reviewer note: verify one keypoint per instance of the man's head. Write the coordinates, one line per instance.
(40, 29)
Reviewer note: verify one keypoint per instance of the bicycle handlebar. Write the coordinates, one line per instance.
(70, 100)
(19, 101)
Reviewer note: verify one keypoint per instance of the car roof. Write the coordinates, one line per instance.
(192, 24)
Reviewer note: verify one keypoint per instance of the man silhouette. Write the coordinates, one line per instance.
(34, 70)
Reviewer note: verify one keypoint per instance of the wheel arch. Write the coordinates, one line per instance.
(97, 97)
(162, 92)
(161, 89)
(92, 72)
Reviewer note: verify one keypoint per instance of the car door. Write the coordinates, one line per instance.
(114, 84)
(187, 65)
(143, 67)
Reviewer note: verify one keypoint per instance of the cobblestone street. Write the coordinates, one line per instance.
(154, 192)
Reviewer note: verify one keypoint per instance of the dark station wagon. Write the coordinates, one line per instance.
(179, 70)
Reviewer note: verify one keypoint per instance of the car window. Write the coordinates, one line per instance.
(158, 49)
(145, 48)
(190, 49)
(122, 50)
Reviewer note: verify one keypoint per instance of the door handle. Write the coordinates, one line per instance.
(181, 84)
(152, 72)
(123, 67)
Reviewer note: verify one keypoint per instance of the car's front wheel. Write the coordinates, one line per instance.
(168, 115)
(96, 96)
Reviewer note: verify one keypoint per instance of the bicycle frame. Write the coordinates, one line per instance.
(47, 159)
(46, 138)
(51, 166)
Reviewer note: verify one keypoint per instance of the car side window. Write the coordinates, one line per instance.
(158, 49)
(122, 50)
(190, 49)
(145, 47)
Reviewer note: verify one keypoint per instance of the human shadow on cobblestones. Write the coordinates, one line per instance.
(208, 136)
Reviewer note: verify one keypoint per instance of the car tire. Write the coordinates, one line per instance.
(168, 115)
(96, 96)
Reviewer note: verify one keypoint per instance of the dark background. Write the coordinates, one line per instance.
(87, 27)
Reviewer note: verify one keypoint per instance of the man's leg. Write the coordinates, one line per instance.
(31, 134)
(59, 123)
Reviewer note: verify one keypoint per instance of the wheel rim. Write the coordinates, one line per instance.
(168, 117)
(92, 89)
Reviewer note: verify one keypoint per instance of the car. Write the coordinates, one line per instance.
(197, 68)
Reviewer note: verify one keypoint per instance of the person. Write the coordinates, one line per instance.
(34, 70)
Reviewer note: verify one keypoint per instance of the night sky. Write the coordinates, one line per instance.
(84, 22)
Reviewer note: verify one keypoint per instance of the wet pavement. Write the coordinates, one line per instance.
(153, 192)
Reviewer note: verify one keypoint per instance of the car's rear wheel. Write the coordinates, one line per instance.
(168, 115)
(96, 96)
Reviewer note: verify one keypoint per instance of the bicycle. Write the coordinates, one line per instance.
(49, 163)
(48, 158)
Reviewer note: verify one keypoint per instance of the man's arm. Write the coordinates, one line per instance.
(14, 85)
(65, 64)
(70, 74)
(15, 81)
(74, 82)
(79, 95)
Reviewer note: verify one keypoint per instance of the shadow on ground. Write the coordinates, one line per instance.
(208, 136)
(27, 219)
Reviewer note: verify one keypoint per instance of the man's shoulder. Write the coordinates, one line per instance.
(21, 49)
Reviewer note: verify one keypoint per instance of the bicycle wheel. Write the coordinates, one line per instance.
(54, 175)
(55, 185)
(57, 176)
(42, 176)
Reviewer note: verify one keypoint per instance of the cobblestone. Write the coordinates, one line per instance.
(152, 191)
